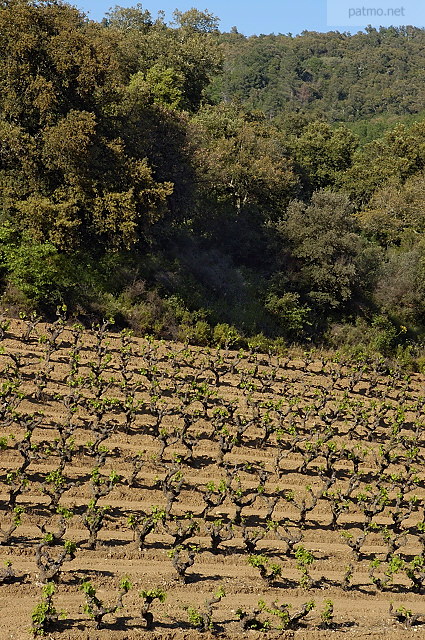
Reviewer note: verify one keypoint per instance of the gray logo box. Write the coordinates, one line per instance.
(377, 13)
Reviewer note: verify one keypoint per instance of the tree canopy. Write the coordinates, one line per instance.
(176, 177)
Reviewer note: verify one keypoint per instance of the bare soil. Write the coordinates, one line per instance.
(312, 389)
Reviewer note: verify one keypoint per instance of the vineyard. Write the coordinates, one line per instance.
(159, 490)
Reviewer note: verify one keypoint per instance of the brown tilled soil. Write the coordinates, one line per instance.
(316, 395)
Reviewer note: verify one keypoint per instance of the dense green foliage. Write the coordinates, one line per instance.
(335, 75)
(180, 179)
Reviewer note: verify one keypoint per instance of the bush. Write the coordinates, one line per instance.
(348, 335)
(406, 358)
(200, 333)
(384, 335)
(33, 269)
(260, 343)
(226, 336)
(293, 317)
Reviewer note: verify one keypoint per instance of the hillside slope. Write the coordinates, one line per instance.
(289, 480)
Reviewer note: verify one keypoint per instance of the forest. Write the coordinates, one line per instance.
(209, 187)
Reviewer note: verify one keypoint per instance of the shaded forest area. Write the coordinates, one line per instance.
(209, 187)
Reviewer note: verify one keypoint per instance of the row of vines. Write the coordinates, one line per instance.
(117, 445)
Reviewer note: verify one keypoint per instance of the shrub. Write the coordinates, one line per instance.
(226, 336)
(269, 571)
(384, 335)
(260, 343)
(44, 616)
(293, 317)
(202, 333)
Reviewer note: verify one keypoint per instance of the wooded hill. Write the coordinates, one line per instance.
(211, 187)
(336, 76)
